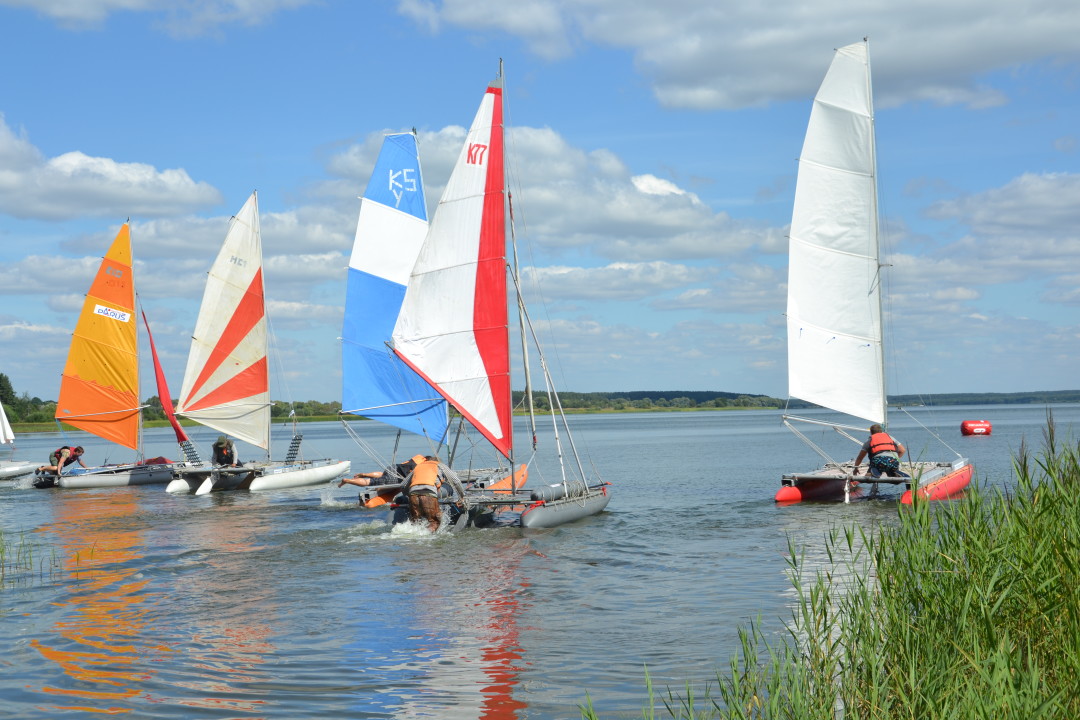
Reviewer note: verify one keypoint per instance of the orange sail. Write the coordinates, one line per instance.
(99, 390)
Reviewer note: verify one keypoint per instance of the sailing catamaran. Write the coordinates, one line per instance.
(452, 330)
(376, 384)
(226, 384)
(11, 468)
(835, 348)
(99, 389)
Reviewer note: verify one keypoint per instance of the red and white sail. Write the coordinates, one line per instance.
(452, 328)
(226, 384)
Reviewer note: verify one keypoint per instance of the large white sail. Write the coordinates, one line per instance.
(226, 384)
(834, 307)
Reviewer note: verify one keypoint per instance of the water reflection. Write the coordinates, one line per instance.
(449, 646)
(101, 640)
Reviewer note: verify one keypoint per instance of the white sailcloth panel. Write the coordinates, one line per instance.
(226, 383)
(434, 332)
(7, 436)
(834, 309)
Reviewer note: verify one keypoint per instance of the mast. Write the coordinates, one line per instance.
(876, 230)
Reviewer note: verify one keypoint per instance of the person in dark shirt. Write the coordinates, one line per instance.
(225, 452)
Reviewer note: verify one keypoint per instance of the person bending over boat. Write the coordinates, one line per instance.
(61, 458)
(423, 491)
(225, 452)
(391, 475)
(884, 452)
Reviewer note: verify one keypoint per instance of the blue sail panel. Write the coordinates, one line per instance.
(396, 181)
(389, 234)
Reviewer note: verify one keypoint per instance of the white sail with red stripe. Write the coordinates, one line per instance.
(452, 328)
(226, 384)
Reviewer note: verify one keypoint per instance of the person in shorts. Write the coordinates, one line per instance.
(884, 452)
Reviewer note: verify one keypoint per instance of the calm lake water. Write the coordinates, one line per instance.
(296, 604)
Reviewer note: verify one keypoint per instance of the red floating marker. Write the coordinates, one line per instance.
(975, 427)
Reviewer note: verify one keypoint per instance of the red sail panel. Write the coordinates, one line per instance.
(163, 387)
(489, 309)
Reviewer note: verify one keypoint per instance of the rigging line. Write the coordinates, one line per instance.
(398, 367)
(932, 433)
(553, 398)
(367, 448)
(810, 443)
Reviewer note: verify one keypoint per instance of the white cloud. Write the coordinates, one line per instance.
(710, 55)
(617, 281)
(1029, 227)
(567, 198)
(192, 17)
(74, 185)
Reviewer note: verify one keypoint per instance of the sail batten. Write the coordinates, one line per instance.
(834, 305)
(99, 388)
(390, 230)
(226, 384)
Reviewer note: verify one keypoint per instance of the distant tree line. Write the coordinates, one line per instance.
(650, 399)
(26, 409)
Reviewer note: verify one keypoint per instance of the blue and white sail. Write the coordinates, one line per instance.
(389, 234)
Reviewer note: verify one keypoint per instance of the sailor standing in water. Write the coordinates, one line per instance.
(423, 490)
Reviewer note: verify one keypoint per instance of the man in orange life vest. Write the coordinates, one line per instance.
(423, 492)
(884, 452)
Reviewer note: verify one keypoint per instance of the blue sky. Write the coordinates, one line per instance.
(653, 146)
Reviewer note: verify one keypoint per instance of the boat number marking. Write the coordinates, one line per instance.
(406, 184)
(476, 154)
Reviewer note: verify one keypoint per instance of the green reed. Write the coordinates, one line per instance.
(23, 559)
(963, 609)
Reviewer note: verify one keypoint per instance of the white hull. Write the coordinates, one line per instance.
(119, 476)
(14, 468)
(255, 476)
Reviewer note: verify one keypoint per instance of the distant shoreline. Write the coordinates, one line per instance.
(51, 427)
(1049, 397)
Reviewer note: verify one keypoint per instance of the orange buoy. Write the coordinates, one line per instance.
(975, 427)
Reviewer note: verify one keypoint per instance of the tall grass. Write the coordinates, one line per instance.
(21, 559)
(966, 609)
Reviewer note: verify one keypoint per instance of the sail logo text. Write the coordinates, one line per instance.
(115, 272)
(476, 154)
(406, 184)
(111, 313)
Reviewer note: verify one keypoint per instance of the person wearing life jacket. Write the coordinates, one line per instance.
(423, 492)
(391, 475)
(884, 452)
(61, 458)
(225, 452)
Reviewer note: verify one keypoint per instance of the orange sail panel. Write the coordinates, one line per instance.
(99, 390)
